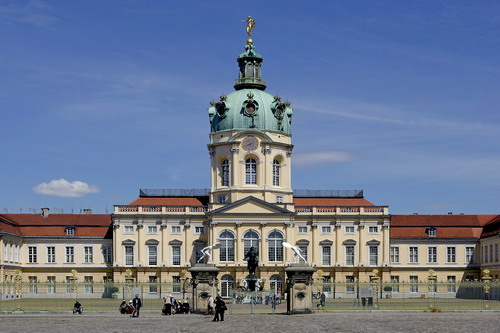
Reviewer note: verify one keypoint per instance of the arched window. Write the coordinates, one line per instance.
(225, 173)
(250, 171)
(226, 284)
(251, 239)
(275, 246)
(276, 172)
(276, 283)
(226, 240)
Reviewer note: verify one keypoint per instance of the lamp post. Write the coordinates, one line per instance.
(486, 280)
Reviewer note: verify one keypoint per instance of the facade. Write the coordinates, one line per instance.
(250, 203)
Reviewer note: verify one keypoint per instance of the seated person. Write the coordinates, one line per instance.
(77, 308)
(123, 307)
(130, 307)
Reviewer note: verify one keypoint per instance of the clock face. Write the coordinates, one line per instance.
(250, 143)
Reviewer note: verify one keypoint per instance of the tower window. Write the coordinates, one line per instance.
(225, 173)
(276, 173)
(251, 171)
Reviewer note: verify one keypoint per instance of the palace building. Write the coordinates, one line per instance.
(250, 203)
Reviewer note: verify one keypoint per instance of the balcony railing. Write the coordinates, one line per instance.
(342, 209)
(160, 209)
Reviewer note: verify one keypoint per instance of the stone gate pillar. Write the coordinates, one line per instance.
(204, 280)
(300, 287)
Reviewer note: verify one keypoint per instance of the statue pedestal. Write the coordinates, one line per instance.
(300, 287)
(204, 284)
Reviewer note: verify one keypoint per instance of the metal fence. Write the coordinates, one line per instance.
(444, 296)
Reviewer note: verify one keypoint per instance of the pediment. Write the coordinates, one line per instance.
(251, 206)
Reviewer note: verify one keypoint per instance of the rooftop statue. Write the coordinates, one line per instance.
(250, 25)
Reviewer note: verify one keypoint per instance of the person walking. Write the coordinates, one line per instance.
(137, 303)
(220, 307)
(210, 305)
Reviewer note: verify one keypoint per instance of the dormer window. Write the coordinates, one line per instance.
(70, 231)
(431, 232)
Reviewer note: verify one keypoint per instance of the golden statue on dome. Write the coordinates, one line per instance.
(250, 25)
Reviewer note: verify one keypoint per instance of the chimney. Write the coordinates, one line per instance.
(450, 213)
(87, 211)
(45, 212)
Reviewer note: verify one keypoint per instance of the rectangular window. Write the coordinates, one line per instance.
(88, 254)
(176, 255)
(279, 199)
(470, 255)
(496, 252)
(107, 255)
(152, 255)
(128, 229)
(175, 229)
(485, 254)
(491, 252)
(198, 230)
(69, 284)
(326, 229)
(51, 254)
(394, 254)
(395, 283)
(89, 284)
(349, 255)
(327, 287)
(70, 231)
(70, 255)
(302, 230)
(223, 198)
(176, 284)
(152, 229)
(413, 251)
(5, 252)
(451, 286)
(32, 255)
(349, 286)
(129, 255)
(303, 249)
(431, 232)
(413, 284)
(373, 250)
(153, 284)
(33, 284)
(349, 229)
(326, 255)
(451, 254)
(51, 284)
(373, 230)
(432, 255)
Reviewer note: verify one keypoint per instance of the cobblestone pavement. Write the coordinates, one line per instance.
(376, 321)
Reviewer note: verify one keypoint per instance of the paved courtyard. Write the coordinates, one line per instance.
(376, 321)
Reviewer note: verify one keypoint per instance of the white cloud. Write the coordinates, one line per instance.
(33, 12)
(63, 188)
(321, 157)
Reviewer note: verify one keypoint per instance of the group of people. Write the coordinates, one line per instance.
(132, 308)
(171, 306)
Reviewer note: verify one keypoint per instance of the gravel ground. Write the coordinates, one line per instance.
(375, 321)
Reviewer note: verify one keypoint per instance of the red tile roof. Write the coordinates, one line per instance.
(331, 202)
(35, 225)
(492, 228)
(447, 226)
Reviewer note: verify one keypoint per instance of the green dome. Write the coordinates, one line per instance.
(250, 106)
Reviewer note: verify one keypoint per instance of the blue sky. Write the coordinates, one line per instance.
(398, 98)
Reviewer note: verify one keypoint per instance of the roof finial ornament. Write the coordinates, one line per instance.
(250, 25)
